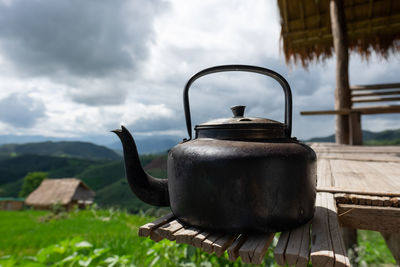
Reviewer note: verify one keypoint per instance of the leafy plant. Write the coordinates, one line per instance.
(31, 181)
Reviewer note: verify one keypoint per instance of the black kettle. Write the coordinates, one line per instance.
(239, 174)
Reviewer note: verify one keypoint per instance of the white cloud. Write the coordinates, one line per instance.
(136, 75)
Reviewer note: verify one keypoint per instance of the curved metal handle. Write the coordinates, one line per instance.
(247, 68)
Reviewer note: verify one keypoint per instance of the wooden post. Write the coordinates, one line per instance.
(342, 91)
(393, 242)
(355, 129)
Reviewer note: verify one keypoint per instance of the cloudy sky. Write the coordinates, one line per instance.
(81, 68)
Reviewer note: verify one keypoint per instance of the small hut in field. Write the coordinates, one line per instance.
(11, 203)
(66, 192)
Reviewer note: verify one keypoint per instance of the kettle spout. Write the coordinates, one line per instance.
(151, 190)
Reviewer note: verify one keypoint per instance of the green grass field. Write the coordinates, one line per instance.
(109, 238)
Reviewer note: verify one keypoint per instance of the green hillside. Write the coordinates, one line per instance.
(118, 194)
(388, 137)
(15, 168)
(60, 149)
(100, 176)
(105, 177)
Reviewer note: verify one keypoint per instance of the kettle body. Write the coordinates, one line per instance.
(238, 186)
(239, 174)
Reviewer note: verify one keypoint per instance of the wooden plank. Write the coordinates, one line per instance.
(279, 251)
(375, 178)
(167, 230)
(261, 249)
(394, 92)
(339, 249)
(326, 112)
(223, 243)
(357, 191)
(363, 110)
(293, 247)
(146, 229)
(377, 99)
(395, 201)
(362, 178)
(255, 247)
(364, 200)
(360, 157)
(393, 243)
(381, 219)
(390, 171)
(207, 244)
(375, 86)
(185, 235)
(355, 129)
(331, 148)
(156, 237)
(198, 239)
(248, 247)
(321, 246)
(378, 109)
(233, 249)
(324, 176)
(304, 252)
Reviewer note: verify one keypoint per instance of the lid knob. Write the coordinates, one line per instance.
(238, 111)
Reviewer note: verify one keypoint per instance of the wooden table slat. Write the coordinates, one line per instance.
(167, 230)
(321, 246)
(220, 245)
(186, 235)
(339, 249)
(145, 230)
(279, 251)
(233, 249)
(304, 252)
(198, 239)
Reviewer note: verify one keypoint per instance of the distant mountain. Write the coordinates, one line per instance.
(60, 149)
(151, 144)
(387, 137)
(146, 144)
(22, 139)
(15, 168)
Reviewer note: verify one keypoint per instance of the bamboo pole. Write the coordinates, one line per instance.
(342, 91)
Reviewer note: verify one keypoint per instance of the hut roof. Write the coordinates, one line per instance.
(372, 25)
(52, 191)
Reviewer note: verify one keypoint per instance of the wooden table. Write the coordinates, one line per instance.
(358, 187)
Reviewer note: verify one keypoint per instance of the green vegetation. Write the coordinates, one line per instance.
(16, 168)
(118, 194)
(100, 176)
(388, 137)
(102, 237)
(105, 177)
(95, 238)
(60, 149)
(31, 181)
(372, 249)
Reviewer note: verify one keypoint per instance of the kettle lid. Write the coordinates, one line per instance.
(240, 127)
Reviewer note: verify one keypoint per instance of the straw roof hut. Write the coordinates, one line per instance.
(372, 25)
(314, 29)
(66, 192)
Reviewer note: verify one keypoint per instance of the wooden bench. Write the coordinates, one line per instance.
(319, 240)
(361, 94)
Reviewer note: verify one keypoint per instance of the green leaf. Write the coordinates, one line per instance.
(83, 244)
(85, 263)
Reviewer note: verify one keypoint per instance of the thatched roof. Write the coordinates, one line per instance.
(372, 25)
(62, 191)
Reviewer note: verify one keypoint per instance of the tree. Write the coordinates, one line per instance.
(31, 181)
